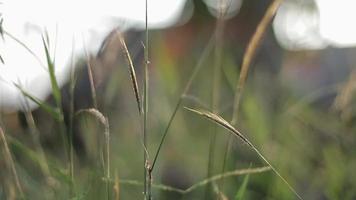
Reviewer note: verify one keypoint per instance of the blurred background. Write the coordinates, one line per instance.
(297, 108)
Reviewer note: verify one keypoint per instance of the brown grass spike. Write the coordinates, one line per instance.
(222, 122)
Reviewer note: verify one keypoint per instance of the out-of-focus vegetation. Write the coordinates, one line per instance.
(297, 109)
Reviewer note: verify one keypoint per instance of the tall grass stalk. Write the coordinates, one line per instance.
(11, 163)
(250, 52)
(90, 75)
(131, 71)
(94, 101)
(72, 82)
(35, 135)
(58, 99)
(207, 50)
(146, 165)
(215, 98)
(105, 122)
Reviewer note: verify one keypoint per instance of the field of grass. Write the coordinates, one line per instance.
(213, 109)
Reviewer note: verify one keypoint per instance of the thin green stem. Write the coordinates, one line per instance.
(11, 163)
(147, 192)
(201, 183)
(26, 47)
(197, 68)
(219, 33)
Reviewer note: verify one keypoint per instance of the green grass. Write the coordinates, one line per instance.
(290, 148)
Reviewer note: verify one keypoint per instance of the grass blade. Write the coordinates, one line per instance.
(51, 69)
(222, 122)
(46, 107)
(57, 172)
(131, 70)
(240, 193)
(105, 122)
(146, 165)
(117, 187)
(11, 162)
(197, 68)
(250, 53)
(201, 183)
(4, 32)
(246, 62)
(90, 75)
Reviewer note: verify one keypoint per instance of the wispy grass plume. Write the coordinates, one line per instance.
(222, 122)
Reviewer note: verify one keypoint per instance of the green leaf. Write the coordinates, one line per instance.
(240, 193)
(51, 69)
(54, 112)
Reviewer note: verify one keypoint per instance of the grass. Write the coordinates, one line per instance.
(299, 143)
(11, 163)
(220, 121)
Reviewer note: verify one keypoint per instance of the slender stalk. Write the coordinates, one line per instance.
(105, 122)
(57, 97)
(11, 163)
(203, 57)
(250, 52)
(219, 31)
(26, 47)
(201, 183)
(223, 123)
(107, 137)
(71, 114)
(91, 78)
(147, 184)
(35, 135)
(131, 70)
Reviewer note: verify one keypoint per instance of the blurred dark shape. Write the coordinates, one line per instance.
(109, 58)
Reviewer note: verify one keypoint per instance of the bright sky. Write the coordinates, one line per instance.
(298, 25)
(70, 25)
(316, 24)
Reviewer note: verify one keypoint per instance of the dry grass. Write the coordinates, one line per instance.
(222, 122)
(250, 53)
(131, 71)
